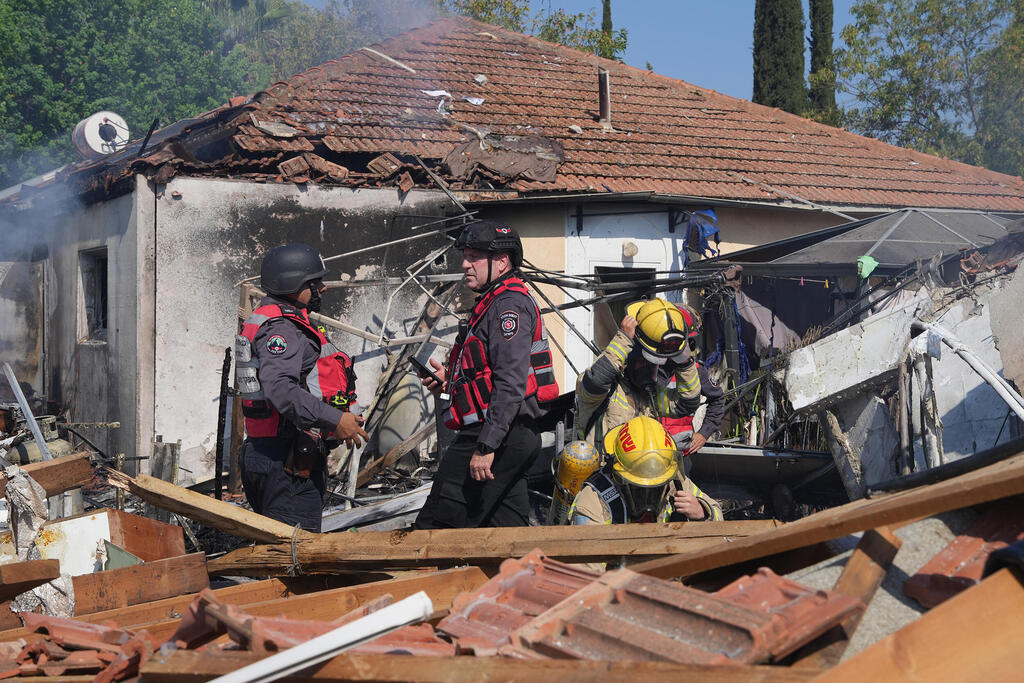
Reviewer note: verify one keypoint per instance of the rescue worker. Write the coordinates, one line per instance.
(643, 482)
(498, 376)
(648, 369)
(296, 388)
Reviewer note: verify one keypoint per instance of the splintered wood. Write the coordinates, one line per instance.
(325, 553)
(215, 513)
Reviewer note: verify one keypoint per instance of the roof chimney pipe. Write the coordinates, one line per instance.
(605, 97)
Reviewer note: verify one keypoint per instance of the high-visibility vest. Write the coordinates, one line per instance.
(469, 371)
(332, 379)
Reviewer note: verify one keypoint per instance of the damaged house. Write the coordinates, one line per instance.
(120, 277)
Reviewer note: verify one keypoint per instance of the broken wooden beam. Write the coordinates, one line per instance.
(18, 577)
(201, 508)
(327, 605)
(973, 636)
(57, 475)
(191, 666)
(172, 608)
(861, 577)
(325, 553)
(996, 481)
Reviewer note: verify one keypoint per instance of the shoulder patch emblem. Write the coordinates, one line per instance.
(277, 345)
(509, 321)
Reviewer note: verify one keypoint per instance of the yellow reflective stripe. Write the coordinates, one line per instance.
(619, 398)
(685, 386)
(617, 351)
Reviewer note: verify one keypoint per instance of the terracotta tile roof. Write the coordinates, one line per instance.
(669, 136)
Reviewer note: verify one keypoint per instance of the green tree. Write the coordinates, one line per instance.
(1001, 115)
(145, 59)
(576, 30)
(822, 92)
(917, 69)
(779, 55)
(511, 14)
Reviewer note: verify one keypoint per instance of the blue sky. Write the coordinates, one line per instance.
(708, 43)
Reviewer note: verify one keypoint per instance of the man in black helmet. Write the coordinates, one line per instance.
(296, 389)
(498, 376)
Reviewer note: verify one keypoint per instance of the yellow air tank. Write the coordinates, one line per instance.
(577, 461)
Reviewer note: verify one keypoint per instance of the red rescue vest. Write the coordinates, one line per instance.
(332, 378)
(469, 372)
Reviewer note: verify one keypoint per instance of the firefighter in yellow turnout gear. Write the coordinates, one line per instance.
(644, 483)
(647, 369)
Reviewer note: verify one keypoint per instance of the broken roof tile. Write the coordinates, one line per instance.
(482, 620)
(668, 136)
(961, 564)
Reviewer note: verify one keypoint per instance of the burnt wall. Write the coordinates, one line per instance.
(211, 234)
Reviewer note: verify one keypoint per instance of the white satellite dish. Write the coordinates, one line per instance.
(102, 133)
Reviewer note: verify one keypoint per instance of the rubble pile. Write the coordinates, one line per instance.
(900, 407)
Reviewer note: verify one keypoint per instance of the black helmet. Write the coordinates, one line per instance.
(287, 267)
(492, 237)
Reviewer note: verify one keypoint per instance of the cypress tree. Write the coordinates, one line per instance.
(779, 55)
(606, 50)
(823, 74)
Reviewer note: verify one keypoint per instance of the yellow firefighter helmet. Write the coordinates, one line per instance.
(663, 328)
(644, 453)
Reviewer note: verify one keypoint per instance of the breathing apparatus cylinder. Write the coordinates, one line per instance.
(577, 461)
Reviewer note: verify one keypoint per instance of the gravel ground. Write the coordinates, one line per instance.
(890, 610)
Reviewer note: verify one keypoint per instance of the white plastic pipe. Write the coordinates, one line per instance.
(414, 608)
(1002, 387)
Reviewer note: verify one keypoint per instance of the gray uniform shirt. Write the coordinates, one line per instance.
(287, 354)
(506, 330)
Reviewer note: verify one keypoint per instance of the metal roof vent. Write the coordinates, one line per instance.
(605, 98)
(102, 133)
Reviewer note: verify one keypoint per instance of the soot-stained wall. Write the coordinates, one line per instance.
(211, 234)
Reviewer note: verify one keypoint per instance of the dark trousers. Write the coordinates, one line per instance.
(274, 493)
(456, 500)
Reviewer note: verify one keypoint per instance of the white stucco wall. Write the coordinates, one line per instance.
(972, 413)
(210, 234)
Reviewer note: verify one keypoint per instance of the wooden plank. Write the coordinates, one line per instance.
(325, 553)
(147, 539)
(974, 636)
(441, 586)
(140, 583)
(18, 577)
(861, 577)
(191, 666)
(993, 482)
(57, 475)
(201, 508)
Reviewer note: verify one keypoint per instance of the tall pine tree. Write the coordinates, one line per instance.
(822, 92)
(779, 55)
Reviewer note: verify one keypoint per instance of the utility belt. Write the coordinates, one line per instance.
(307, 454)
